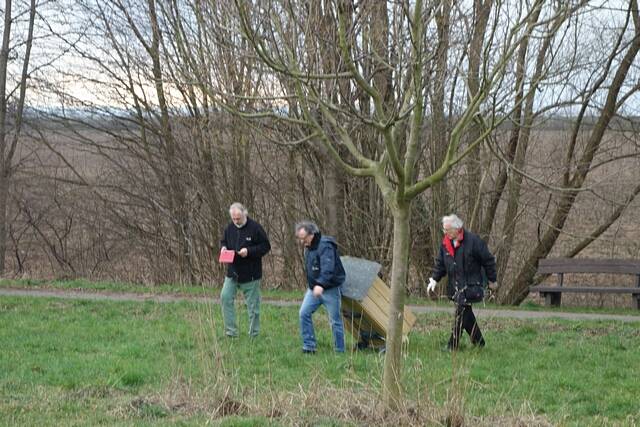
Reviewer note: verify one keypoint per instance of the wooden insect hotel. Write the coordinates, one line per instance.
(366, 301)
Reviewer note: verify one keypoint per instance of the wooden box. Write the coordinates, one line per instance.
(366, 302)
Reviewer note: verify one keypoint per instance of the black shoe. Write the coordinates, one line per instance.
(308, 351)
(361, 345)
(480, 344)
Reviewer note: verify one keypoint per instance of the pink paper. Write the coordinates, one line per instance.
(226, 256)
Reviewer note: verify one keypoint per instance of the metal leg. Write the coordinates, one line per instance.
(553, 299)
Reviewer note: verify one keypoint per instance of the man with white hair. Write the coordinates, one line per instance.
(464, 258)
(250, 243)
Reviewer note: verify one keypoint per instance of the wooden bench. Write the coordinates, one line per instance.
(561, 266)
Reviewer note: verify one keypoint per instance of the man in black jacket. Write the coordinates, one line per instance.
(464, 258)
(250, 242)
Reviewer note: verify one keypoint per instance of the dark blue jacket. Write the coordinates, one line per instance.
(322, 263)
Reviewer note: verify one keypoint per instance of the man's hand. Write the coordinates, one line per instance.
(431, 287)
(243, 252)
(317, 291)
(493, 286)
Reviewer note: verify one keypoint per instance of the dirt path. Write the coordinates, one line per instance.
(482, 312)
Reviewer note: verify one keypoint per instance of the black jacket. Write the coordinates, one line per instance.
(253, 237)
(322, 263)
(466, 267)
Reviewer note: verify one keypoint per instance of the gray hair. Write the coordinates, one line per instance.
(453, 220)
(238, 207)
(308, 226)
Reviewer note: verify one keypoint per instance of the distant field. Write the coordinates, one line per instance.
(100, 247)
(87, 363)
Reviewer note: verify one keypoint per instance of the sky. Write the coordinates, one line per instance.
(60, 74)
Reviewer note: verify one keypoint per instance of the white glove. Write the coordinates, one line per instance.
(432, 285)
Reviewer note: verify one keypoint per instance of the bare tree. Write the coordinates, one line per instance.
(610, 82)
(285, 42)
(11, 110)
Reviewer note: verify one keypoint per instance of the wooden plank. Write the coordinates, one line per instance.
(585, 265)
(378, 293)
(377, 314)
(374, 314)
(597, 290)
(381, 294)
(360, 320)
(375, 308)
(381, 290)
(377, 296)
(380, 314)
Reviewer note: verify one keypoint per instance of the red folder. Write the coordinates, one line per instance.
(226, 256)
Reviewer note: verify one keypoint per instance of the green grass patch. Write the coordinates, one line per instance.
(72, 362)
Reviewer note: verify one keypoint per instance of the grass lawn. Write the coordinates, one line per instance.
(67, 362)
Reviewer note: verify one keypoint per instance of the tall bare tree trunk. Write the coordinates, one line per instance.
(175, 191)
(8, 148)
(519, 143)
(482, 9)
(399, 273)
(439, 129)
(333, 200)
(4, 166)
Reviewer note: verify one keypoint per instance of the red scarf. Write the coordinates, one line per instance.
(447, 243)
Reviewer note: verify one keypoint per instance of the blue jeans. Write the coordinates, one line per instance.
(330, 298)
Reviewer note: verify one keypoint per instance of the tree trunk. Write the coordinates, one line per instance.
(4, 197)
(439, 129)
(176, 191)
(399, 272)
(7, 151)
(482, 11)
(4, 166)
(333, 200)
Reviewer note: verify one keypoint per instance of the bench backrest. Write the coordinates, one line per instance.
(582, 265)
